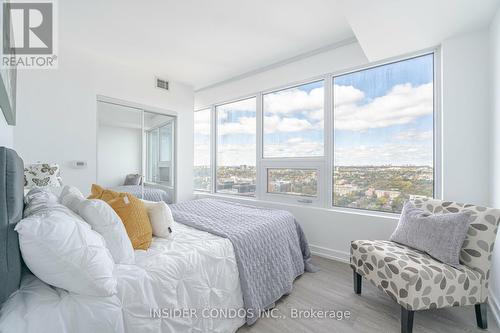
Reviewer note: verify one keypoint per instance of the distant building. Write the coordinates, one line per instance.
(391, 194)
(345, 189)
(416, 196)
(280, 186)
(244, 188)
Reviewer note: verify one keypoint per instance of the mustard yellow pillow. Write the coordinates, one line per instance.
(98, 192)
(131, 211)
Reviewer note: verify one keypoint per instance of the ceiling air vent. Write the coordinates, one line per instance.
(161, 84)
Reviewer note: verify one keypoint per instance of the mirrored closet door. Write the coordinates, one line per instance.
(136, 149)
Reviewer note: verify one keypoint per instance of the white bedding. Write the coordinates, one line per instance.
(190, 270)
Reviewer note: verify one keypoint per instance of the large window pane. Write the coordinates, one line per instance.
(236, 147)
(383, 135)
(202, 173)
(302, 182)
(293, 121)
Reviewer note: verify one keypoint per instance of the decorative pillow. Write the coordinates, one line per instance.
(135, 218)
(38, 200)
(63, 251)
(131, 211)
(160, 217)
(71, 197)
(42, 175)
(98, 192)
(439, 235)
(133, 179)
(107, 223)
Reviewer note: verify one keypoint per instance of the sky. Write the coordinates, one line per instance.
(382, 116)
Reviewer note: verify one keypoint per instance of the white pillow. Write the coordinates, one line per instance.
(71, 197)
(63, 251)
(106, 222)
(160, 217)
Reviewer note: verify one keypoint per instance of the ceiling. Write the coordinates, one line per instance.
(387, 28)
(202, 42)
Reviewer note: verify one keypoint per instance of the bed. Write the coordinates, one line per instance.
(221, 266)
(191, 270)
(150, 193)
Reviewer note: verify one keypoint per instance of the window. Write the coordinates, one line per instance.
(302, 182)
(360, 140)
(293, 121)
(202, 169)
(159, 148)
(383, 135)
(236, 147)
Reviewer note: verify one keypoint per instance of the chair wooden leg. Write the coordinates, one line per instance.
(357, 282)
(406, 320)
(481, 315)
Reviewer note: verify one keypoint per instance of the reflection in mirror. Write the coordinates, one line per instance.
(135, 151)
(159, 138)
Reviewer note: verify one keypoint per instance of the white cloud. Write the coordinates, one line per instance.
(202, 154)
(293, 100)
(245, 125)
(202, 123)
(402, 105)
(277, 124)
(386, 154)
(413, 135)
(346, 95)
(294, 147)
(236, 154)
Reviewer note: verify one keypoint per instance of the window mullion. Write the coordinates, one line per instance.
(327, 181)
(213, 148)
(259, 138)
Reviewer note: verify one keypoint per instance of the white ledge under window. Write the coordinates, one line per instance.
(283, 205)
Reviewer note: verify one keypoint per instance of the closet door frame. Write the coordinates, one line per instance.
(142, 108)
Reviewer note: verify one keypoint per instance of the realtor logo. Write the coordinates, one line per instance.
(28, 35)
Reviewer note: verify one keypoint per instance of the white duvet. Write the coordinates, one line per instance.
(192, 270)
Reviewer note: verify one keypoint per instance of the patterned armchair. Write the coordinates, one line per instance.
(416, 281)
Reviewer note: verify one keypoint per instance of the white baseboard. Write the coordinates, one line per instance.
(327, 253)
(495, 307)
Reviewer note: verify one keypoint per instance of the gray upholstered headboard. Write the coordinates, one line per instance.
(11, 212)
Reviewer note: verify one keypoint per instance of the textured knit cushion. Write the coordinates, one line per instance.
(98, 192)
(131, 211)
(413, 278)
(133, 179)
(134, 216)
(476, 250)
(439, 235)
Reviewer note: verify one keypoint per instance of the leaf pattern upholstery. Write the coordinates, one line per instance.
(416, 280)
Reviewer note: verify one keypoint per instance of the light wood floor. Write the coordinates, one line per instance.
(372, 311)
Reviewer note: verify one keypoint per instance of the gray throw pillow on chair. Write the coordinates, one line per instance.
(439, 235)
(133, 179)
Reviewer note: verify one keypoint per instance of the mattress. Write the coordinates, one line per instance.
(150, 193)
(192, 270)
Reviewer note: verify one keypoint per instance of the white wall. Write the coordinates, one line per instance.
(119, 153)
(465, 134)
(57, 112)
(495, 153)
(6, 133)
(466, 118)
